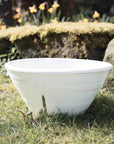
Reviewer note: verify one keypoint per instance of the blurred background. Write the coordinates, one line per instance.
(72, 10)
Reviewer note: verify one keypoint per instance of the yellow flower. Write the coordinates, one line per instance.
(96, 14)
(33, 9)
(50, 10)
(18, 10)
(85, 20)
(2, 27)
(42, 6)
(16, 16)
(95, 21)
(27, 23)
(54, 21)
(19, 20)
(55, 5)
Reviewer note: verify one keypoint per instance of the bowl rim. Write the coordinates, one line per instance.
(9, 67)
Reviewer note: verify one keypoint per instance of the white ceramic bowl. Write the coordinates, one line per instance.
(69, 85)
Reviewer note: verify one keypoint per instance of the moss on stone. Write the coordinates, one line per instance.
(64, 39)
(14, 33)
(79, 28)
(76, 28)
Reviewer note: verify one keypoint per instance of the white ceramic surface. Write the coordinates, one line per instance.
(67, 84)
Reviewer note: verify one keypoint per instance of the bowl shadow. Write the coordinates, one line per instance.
(101, 112)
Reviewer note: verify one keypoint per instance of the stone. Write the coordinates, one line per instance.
(64, 39)
(4, 45)
(109, 57)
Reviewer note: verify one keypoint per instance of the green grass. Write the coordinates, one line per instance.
(96, 126)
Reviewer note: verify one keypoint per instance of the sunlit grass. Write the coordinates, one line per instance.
(96, 126)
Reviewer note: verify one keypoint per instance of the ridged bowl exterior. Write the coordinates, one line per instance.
(68, 92)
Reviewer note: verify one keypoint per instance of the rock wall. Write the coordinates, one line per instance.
(64, 39)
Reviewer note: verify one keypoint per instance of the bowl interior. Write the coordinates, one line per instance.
(57, 65)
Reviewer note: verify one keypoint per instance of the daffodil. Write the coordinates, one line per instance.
(85, 20)
(54, 21)
(19, 20)
(18, 10)
(55, 5)
(96, 14)
(33, 9)
(50, 10)
(16, 16)
(95, 21)
(27, 23)
(42, 6)
(2, 27)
